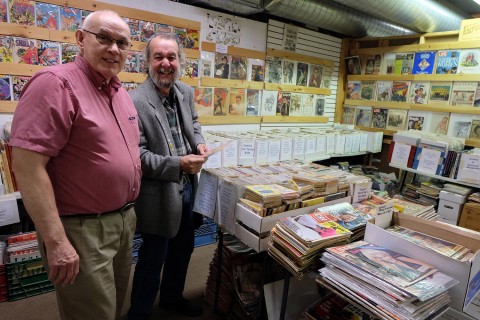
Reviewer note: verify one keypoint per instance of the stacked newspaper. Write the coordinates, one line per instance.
(296, 241)
(345, 215)
(388, 284)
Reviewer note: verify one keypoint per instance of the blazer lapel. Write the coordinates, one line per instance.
(183, 111)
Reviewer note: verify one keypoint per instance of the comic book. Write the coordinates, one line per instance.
(416, 120)
(191, 68)
(85, 14)
(206, 70)
(363, 116)
(348, 115)
(308, 101)
(131, 62)
(342, 213)
(283, 103)
(447, 62)
(22, 12)
(222, 65)
(238, 68)
(379, 118)
(134, 26)
(302, 73)
(69, 52)
(25, 51)
(327, 77)
(377, 63)
(469, 62)
(70, 19)
(48, 53)
(147, 30)
(369, 64)
(18, 82)
(400, 91)
(353, 90)
(384, 91)
(353, 65)
(289, 72)
(463, 93)
(203, 98)
(367, 90)
(269, 103)
(181, 34)
(237, 102)
(3, 11)
(273, 70)
(315, 76)
(47, 15)
(192, 40)
(164, 28)
(319, 105)
(257, 72)
(5, 88)
(253, 102)
(419, 92)
(296, 104)
(396, 119)
(6, 48)
(220, 96)
(388, 65)
(423, 62)
(440, 92)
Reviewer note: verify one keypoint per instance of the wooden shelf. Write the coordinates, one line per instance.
(292, 88)
(8, 106)
(414, 77)
(378, 104)
(227, 83)
(433, 46)
(299, 57)
(433, 176)
(292, 119)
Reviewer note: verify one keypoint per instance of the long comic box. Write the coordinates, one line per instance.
(467, 272)
(262, 225)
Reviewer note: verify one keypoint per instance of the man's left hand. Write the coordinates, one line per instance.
(202, 149)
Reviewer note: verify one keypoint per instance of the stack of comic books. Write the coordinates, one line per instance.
(385, 282)
(22, 247)
(297, 241)
(414, 209)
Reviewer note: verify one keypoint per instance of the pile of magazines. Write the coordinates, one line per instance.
(386, 283)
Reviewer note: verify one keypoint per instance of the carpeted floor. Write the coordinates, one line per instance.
(44, 307)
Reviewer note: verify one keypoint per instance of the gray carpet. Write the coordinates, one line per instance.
(44, 307)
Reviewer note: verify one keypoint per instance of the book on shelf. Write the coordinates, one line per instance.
(22, 12)
(353, 90)
(440, 92)
(5, 88)
(25, 51)
(6, 48)
(423, 62)
(459, 125)
(419, 92)
(463, 93)
(348, 115)
(369, 64)
(437, 122)
(47, 15)
(388, 64)
(475, 129)
(333, 307)
(447, 61)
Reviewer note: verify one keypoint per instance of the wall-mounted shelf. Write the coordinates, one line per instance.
(227, 83)
(413, 77)
(292, 88)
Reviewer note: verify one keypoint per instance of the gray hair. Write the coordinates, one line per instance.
(166, 36)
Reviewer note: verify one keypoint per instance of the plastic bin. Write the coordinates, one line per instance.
(26, 279)
(206, 234)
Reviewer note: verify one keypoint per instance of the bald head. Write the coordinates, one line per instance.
(94, 19)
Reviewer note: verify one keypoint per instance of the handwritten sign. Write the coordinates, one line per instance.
(469, 30)
(8, 210)
(400, 154)
(429, 159)
(206, 196)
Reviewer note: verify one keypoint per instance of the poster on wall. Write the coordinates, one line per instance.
(290, 37)
(223, 30)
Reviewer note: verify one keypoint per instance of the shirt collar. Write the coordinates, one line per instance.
(97, 79)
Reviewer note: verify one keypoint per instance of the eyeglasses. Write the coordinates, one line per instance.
(107, 40)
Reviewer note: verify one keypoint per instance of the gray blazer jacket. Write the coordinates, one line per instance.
(159, 205)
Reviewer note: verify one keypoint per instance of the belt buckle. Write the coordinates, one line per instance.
(127, 207)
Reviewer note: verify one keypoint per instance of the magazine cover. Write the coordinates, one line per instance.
(463, 93)
(237, 102)
(283, 103)
(416, 120)
(220, 96)
(222, 65)
(459, 125)
(403, 63)
(3, 11)
(48, 53)
(191, 68)
(308, 101)
(348, 115)
(206, 70)
(6, 49)
(273, 70)
(69, 52)
(70, 19)
(289, 72)
(384, 91)
(400, 91)
(353, 90)
(269, 103)
(25, 51)
(476, 101)
(253, 102)
(256, 69)
(333, 307)
(131, 62)
(238, 69)
(344, 214)
(447, 61)
(353, 65)
(440, 92)
(181, 34)
(367, 90)
(163, 28)
(5, 88)
(134, 26)
(379, 118)
(363, 116)
(438, 122)
(47, 15)
(147, 30)
(296, 104)
(319, 105)
(18, 82)
(315, 76)
(396, 119)
(423, 62)
(192, 39)
(203, 99)
(419, 92)
(388, 63)
(302, 74)
(369, 64)
(475, 129)
(377, 63)
(22, 12)
(469, 62)
(327, 77)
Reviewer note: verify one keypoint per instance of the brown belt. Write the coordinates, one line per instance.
(123, 209)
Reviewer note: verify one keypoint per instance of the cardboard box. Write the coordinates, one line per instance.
(262, 225)
(464, 272)
(449, 210)
(470, 217)
(454, 222)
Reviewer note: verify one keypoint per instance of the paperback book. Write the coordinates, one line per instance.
(47, 15)
(447, 61)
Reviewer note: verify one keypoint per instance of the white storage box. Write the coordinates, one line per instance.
(450, 205)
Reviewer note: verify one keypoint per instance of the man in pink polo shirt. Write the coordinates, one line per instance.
(75, 143)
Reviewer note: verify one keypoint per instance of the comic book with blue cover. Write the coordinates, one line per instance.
(5, 88)
(49, 53)
(22, 12)
(47, 15)
(70, 19)
(3, 11)
(447, 61)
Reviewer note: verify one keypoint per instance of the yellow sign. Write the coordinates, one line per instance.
(470, 30)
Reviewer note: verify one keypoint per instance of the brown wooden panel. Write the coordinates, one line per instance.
(208, 46)
(292, 88)
(254, 54)
(193, 82)
(19, 69)
(379, 104)
(299, 57)
(8, 106)
(132, 77)
(17, 30)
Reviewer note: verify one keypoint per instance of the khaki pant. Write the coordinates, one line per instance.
(104, 245)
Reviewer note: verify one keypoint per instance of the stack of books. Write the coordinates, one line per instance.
(421, 193)
(264, 195)
(386, 283)
(475, 197)
(297, 241)
(22, 247)
(414, 209)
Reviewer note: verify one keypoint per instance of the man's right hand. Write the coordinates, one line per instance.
(64, 263)
(192, 163)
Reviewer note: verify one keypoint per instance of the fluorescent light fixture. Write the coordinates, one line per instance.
(477, 2)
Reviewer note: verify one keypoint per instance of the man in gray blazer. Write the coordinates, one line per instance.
(172, 152)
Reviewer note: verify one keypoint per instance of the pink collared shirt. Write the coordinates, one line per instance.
(90, 131)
